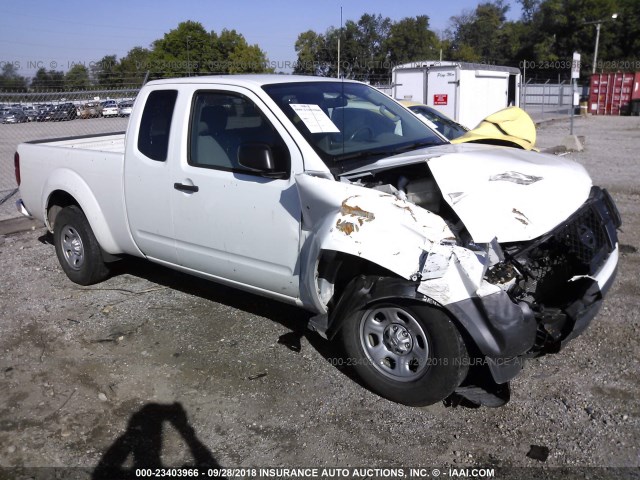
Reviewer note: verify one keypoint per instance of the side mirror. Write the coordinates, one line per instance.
(258, 158)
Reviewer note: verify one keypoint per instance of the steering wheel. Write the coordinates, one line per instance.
(363, 133)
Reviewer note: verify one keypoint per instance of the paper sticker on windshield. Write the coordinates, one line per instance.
(314, 118)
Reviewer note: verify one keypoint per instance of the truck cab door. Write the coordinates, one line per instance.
(147, 176)
(231, 223)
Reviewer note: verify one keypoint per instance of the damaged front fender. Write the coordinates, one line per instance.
(418, 247)
(375, 226)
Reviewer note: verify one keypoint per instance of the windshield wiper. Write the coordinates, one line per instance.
(365, 154)
(385, 153)
(415, 146)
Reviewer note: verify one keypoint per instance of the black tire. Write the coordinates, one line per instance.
(410, 354)
(77, 249)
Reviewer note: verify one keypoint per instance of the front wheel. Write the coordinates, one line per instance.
(410, 354)
(77, 249)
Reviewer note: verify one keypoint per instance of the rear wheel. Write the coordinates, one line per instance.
(411, 354)
(77, 249)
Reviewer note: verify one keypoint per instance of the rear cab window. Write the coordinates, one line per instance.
(155, 125)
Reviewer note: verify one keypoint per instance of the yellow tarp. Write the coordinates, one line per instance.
(511, 126)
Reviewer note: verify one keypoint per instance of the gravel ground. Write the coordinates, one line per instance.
(154, 366)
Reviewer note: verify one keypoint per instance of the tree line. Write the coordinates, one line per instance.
(189, 49)
(543, 39)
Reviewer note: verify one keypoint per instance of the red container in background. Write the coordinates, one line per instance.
(610, 93)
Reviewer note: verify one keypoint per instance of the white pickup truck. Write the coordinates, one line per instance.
(440, 268)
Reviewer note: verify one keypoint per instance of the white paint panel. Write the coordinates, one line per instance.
(409, 85)
(493, 202)
(442, 82)
(481, 95)
(366, 223)
(240, 227)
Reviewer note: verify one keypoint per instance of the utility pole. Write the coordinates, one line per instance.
(339, 38)
(188, 59)
(598, 24)
(595, 51)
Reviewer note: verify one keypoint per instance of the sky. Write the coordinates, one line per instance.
(57, 34)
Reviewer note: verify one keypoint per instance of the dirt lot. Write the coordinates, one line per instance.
(156, 368)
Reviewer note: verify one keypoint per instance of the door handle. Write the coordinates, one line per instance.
(186, 188)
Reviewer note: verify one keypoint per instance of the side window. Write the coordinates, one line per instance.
(221, 123)
(155, 125)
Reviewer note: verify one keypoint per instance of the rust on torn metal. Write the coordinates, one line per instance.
(360, 216)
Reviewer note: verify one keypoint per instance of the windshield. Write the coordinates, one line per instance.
(445, 126)
(346, 121)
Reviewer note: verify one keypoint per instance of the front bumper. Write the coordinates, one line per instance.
(507, 333)
(583, 310)
(561, 281)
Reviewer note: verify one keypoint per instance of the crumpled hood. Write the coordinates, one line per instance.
(499, 192)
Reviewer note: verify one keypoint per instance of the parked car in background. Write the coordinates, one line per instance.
(510, 127)
(31, 113)
(63, 111)
(15, 115)
(436, 120)
(124, 108)
(109, 108)
(43, 107)
(91, 110)
(44, 113)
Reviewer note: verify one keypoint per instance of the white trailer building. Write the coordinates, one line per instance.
(466, 92)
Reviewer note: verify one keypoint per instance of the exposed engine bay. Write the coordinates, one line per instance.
(413, 183)
(547, 275)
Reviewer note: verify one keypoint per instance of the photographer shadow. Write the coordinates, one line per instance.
(140, 447)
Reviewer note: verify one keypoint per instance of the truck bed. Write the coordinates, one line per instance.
(108, 142)
(90, 168)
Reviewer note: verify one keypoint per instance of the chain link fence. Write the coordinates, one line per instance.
(26, 117)
(549, 100)
(53, 112)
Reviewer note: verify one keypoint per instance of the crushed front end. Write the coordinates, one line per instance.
(550, 290)
(519, 267)
(563, 276)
